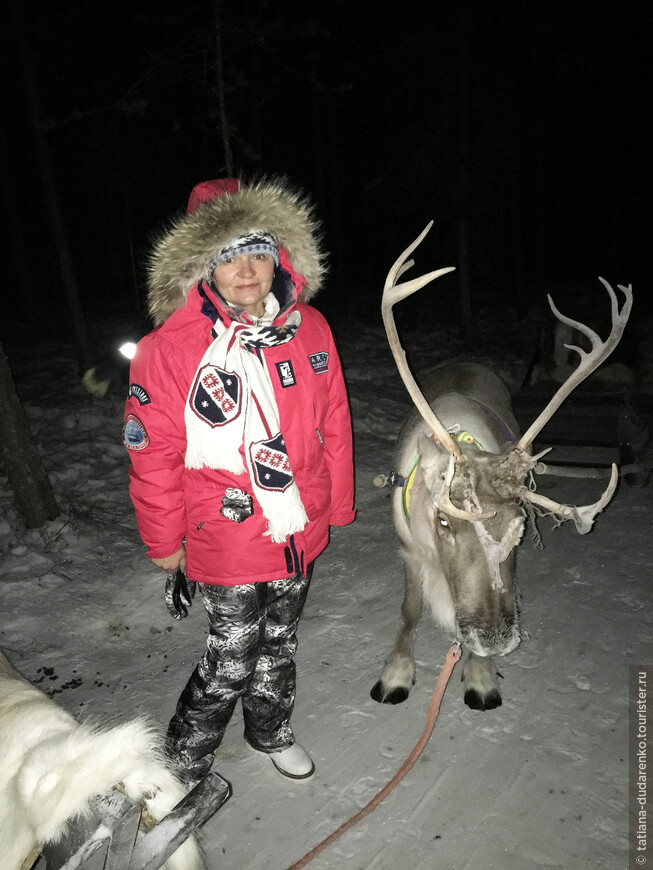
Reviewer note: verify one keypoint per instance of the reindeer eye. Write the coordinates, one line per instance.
(443, 521)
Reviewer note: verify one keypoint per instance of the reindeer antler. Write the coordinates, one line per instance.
(393, 293)
(583, 516)
(589, 362)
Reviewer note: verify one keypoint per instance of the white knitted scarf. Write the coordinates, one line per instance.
(231, 404)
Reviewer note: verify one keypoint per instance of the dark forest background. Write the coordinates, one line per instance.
(521, 128)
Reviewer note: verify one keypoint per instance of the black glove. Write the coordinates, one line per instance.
(179, 594)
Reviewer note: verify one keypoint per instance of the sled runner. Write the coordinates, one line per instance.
(117, 836)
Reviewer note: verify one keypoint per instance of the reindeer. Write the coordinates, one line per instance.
(461, 504)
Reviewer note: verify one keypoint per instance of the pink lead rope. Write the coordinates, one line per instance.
(453, 655)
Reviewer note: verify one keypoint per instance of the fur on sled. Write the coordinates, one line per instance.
(52, 766)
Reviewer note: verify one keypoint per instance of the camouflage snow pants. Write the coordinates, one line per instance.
(249, 655)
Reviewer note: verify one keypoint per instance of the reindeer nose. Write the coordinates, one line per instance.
(499, 640)
(513, 639)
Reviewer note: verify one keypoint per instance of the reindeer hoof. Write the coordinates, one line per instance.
(477, 701)
(394, 696)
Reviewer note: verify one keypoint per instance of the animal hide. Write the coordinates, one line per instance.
(51, 766)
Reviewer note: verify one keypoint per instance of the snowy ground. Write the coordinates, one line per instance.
(539, 783)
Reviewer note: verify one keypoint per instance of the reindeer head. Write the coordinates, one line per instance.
(463, 512)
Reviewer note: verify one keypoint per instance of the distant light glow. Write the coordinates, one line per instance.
(128, 349)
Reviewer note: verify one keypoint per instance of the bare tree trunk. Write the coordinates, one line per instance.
(464, 183)
(345, 299)
(128, 225)
(219, 76)
(523, 295)
(62, 243)
(27, 476)
(25, 295)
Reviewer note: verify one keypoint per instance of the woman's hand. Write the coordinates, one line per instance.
(170, 563)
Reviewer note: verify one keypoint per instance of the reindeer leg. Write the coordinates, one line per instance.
(398, 675)
(481, 684)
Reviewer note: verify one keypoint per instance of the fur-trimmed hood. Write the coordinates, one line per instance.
(182, 255)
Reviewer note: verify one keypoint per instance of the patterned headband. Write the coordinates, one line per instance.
(256, 242)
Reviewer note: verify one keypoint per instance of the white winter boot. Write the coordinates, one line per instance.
(293, 762)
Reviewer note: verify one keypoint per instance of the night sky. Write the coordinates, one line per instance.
(522, 127)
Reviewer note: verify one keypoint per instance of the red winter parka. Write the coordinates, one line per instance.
(173, 502)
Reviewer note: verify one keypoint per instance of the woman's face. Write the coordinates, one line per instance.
(245, 281)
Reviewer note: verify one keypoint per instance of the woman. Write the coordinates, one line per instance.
(239, 433)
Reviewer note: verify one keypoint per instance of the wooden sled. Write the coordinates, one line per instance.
(116, 836)
(591, 430)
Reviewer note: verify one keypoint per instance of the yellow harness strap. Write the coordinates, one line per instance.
(408, 485)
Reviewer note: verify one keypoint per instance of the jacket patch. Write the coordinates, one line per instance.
(320, 362)
(137, 392)
(286, 373)
(134, 434)
(271, 464)
(216, 396)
